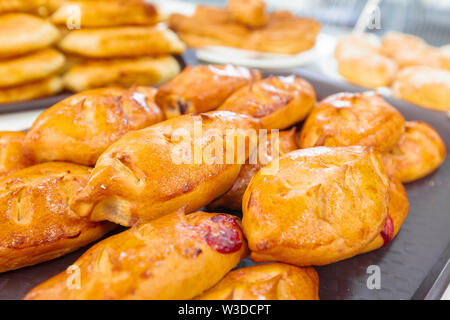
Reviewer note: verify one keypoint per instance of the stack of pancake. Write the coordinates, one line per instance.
(29, 67)
(115, 42)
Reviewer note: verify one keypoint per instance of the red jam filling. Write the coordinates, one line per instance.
(223, 236)
(388, 230)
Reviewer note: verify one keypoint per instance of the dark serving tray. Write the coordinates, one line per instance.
(415, 265)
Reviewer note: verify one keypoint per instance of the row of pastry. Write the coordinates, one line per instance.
(330, 199)
(416, 71)
(104, 43)
(245, 24)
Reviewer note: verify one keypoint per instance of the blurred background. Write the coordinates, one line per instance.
(428, 19)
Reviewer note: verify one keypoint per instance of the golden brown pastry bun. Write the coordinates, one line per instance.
(346, 119)
(278, 102)
(36, 222)
(251, 13)
(12, 157)
(202, 88)
(270, 281)
(79, 128)
(232, 199)
(408, 50)
(176, 163)
(322, 205)
(21, 33)
(174, 257)
(284, 34)
(222, 29)
(419, 152)
(35, 66)
(32, 90)
(106, 13)
(398, 209)
(98, 73)
(118, 42)
(366, 69)
(424, 86)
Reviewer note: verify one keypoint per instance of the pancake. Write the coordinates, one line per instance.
(104, 13)
(33, 90)
(92, 74)
(122, 42)
(34, 66)
(21, 33)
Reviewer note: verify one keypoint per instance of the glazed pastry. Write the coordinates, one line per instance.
(424, 86)
(35, 66)
(202, 88)
(36, 222)
(21, 33)
(176, 163)
(278, 102)
(419, 152)
(271, 281)
(97, 73)
(408, 50)
(32, 90)
(173, 257)
(12, 157)
(106, 13)
(78, 129)
(122, 42)
(357, 42)
(251, 13)
(284, 143)
(222, 30)
(398, 209)
(322, 205)
(366, 69)
(284, 34)
(346, 119)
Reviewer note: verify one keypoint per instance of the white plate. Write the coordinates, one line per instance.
(18, 121)
(262, 60)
